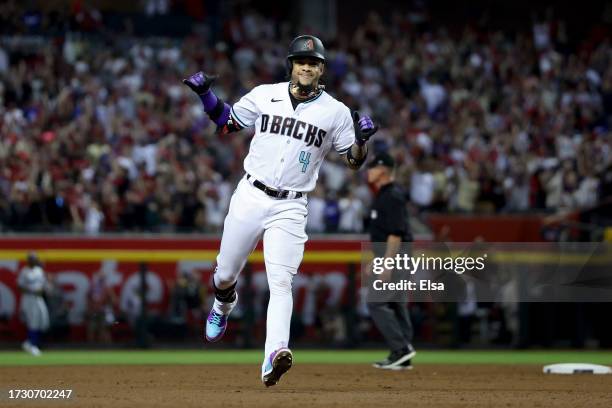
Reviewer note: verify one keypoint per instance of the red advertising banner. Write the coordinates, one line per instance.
(71, 263)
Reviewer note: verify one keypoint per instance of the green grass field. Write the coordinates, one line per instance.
(94, 357)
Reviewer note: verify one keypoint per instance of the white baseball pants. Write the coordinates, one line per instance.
(282, 222)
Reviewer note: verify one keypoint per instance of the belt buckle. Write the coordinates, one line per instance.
(271, 192)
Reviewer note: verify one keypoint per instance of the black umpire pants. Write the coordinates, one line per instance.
(393, 320)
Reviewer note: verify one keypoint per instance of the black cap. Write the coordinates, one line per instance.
(382, 159)
(32, 258)
(306, 46)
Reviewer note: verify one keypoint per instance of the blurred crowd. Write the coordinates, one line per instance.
(98, 134)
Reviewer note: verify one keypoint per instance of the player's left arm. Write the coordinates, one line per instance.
(216, 108)
(351, 135)
(364, 129)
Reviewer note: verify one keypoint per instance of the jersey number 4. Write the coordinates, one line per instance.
(305, 160)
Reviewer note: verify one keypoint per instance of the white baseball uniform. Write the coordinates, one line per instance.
(285, 154)
(33, 308)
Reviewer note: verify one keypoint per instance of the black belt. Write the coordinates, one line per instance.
(270, 191)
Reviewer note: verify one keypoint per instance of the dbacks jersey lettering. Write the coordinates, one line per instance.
(289, 145)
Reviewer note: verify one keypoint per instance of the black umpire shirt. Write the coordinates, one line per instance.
(389, 215)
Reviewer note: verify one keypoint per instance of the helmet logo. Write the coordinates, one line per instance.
(309, 45)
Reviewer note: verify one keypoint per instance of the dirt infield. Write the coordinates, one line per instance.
(309, 385)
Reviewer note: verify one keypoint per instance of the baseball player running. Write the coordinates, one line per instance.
(296, 123)
(32, 282)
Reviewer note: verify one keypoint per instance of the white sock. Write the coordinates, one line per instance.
(224, 308)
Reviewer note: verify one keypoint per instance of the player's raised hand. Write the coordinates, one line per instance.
(364, 128)
(199, 82)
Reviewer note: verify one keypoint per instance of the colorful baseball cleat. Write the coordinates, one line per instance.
(277, 364)
(216, 323)
(215, 326)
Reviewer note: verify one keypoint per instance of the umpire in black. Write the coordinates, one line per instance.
(390, 229)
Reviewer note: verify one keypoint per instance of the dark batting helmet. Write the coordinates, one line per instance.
(305, 46)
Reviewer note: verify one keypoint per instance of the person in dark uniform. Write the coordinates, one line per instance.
(389, 228)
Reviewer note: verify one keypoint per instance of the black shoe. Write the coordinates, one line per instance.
(398, 359)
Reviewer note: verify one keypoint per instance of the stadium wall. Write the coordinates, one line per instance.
(72, 261)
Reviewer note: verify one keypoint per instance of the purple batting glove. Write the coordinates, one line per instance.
(364, 128)
(217, 110)
(199, 82)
